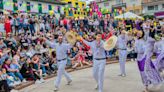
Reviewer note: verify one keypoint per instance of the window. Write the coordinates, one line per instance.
(75, 12)
(150, 8)
(70, 3)
(131, 11)
(137, 11)
(76, 4)
(118, 1)
(106, 4)
(156, 7)
(162, 5)
(78, 12)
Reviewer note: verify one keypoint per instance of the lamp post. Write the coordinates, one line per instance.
(123, 8)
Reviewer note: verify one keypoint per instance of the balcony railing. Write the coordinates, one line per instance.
(150, 1)
(50, 1)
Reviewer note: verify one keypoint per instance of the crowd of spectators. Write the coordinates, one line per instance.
(24, 56)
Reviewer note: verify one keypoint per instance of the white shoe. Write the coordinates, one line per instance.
(11, 84)
(69, 82)
(24, 81)
(56, 89)
(42, 80)
(96, 88)
(44, 74)
(38, 82)
(17, 82)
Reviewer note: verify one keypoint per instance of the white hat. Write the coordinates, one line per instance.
(110, 43)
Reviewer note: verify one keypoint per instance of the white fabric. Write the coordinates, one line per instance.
(128, 15)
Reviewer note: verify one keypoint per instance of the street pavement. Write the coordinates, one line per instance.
(84, 82)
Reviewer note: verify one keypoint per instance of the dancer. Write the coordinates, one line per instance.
(61, 58)
(159, 48)
(122, 49)
(139, 49)
(99, 59)
(152, 75)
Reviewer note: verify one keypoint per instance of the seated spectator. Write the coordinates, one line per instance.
(28, 72)
(53, 64)
(4, 87)
(13, 71)
(37, 66)
(3, 56)
(45, 62)
(10, 80)
(80, 59)
(2, 44)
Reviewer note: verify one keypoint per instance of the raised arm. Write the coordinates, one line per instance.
(51, 44)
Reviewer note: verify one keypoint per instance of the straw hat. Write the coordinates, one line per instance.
(140, 33)
(110, 43)
(71, 38)
(123, 32)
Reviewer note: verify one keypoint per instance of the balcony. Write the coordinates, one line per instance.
(151, 2)
(119, 5)
(50, 1)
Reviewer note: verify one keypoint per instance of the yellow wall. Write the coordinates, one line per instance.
(135, 9)
(80, 5)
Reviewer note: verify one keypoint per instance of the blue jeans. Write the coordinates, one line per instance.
(15, 75)
(32, 29)
(42, 67)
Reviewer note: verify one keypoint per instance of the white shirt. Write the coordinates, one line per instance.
(98, 51)
(139, 48)
(122, 42)
(2, 29)
(61, 49)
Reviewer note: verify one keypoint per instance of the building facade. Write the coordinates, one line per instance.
(31, 6)
(153, 7)
(121, 6)
(75, 8)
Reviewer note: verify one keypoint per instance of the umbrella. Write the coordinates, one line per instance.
(128, 15)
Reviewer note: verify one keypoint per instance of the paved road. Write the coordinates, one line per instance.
(83, 81)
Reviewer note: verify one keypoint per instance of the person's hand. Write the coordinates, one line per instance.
(17, 70)
(10, 43)
(47, 64)
(78, 38)
(44, 39)
(27, 71)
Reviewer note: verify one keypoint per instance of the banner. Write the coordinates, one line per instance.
(22, 5)
(45, 8)
(8, 5)
(1, 4)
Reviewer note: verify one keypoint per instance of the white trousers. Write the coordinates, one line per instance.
(61, 70)
(122, 60)
(98, 73)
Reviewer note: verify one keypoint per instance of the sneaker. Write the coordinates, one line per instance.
(42, 80)
(96, 88)
(123, 75)
(69, 82)
(11, 84)
(24, 81)
(56, 89)
(37, 82)
(17, 82)
(44, 74)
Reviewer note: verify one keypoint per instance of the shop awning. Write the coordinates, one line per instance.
(159, 14)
